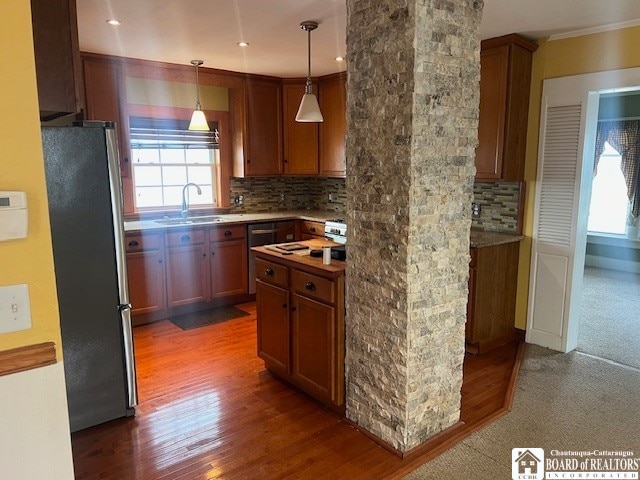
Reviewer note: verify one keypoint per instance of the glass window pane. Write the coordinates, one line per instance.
(200, 175)
(205, 199)
(173, 195)
(147, 175)
(609, 201)
(148, 197)
(174, 175)
(145, 155)
(172, 155)
(199, 155)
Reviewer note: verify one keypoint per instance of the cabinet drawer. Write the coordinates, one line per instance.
(313, 286)
(185, 237)
(272, 272)
(312, 228)
(136, 243)
(232, 232)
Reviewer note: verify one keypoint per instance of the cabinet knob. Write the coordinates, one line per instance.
(133, 243)
(284, 305)
(159, 260)
(293, 309)
(204, 254)
(269, 271)
(312, 229)
(126, 159)
(227, 233)
(185, 238)
(213, 253)
(310, 286)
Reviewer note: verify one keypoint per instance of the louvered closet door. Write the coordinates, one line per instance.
(553, 283)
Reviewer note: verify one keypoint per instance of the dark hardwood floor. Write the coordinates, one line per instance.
(209, 410)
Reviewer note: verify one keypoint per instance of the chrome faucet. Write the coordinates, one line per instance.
(185, 203)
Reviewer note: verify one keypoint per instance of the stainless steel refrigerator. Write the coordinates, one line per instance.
(85, 207)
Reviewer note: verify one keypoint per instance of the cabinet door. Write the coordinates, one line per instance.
(300, 139)
(272, 307)
(145, 271)
(313, 346)
(187, 275)
(104, 87)
(57, 57)
(333, 102)
(494, 63)
(264, 128)
(228, 268)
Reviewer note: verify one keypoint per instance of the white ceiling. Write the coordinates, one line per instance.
(177, 31)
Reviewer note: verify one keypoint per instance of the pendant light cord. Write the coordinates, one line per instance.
(198, 107)
(307, 86)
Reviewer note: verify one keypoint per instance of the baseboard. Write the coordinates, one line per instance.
(612, 263)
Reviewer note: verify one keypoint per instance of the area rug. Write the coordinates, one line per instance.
(610, 316)
(208, 317)
(566, 402)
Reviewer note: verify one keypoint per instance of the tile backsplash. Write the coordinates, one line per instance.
(498, 206)
(272, 194)
(498, 200)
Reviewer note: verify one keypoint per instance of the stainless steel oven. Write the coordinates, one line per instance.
(267, 234)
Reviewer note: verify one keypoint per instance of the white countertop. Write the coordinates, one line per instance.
(231, 218)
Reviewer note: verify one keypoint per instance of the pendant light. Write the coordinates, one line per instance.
(198, 120)
(309, 110)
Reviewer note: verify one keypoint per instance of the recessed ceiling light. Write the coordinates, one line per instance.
(243, 44)
(114, 22)
(339, 59)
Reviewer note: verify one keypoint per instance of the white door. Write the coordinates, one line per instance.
(565, 171)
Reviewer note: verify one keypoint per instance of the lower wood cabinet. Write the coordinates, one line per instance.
(491, 308)
(301, 326)
(145, 269)
(186, 268)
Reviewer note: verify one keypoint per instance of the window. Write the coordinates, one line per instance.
(166, 156)
(609, 201)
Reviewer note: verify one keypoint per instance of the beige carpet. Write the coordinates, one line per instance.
(610, 316)
(562, 401)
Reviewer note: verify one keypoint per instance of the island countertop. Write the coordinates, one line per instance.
(301, 258)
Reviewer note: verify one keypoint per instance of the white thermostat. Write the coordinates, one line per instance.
(13, 215)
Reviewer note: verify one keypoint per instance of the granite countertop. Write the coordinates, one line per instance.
(483, 238)
(234, 218)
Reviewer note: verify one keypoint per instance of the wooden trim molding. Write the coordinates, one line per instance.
(27, 358)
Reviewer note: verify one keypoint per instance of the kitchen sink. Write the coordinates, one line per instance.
(189, 220)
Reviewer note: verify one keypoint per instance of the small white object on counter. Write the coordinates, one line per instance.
(326, 255)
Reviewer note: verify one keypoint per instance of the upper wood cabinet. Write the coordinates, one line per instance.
(505, 71)
(263, 129)
(300, 139)
(57, 57)
(333, 100)
(106, 100)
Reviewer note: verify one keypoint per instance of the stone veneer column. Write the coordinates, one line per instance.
(412, 111)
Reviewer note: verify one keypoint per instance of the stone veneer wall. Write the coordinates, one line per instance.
(265, 194)
(412, 110)
(499, 206)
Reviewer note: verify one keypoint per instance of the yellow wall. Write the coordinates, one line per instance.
(28, 260)
(147, 91)
(558, 58)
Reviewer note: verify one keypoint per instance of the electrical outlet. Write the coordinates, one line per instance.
(282, 198)
(475, 210)
(238, 200)
(331, 197)
(15, 313)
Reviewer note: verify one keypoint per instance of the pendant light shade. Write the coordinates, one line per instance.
(198, 120)
(309, 110)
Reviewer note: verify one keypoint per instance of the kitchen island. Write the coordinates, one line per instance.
(300, 310)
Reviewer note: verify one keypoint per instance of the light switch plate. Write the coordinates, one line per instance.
(15, 311)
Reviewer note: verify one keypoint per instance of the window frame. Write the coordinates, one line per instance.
(222, 167)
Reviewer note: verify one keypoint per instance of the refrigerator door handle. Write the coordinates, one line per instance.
(129, 358)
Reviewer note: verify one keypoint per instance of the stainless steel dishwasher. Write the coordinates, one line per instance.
(266, 234)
